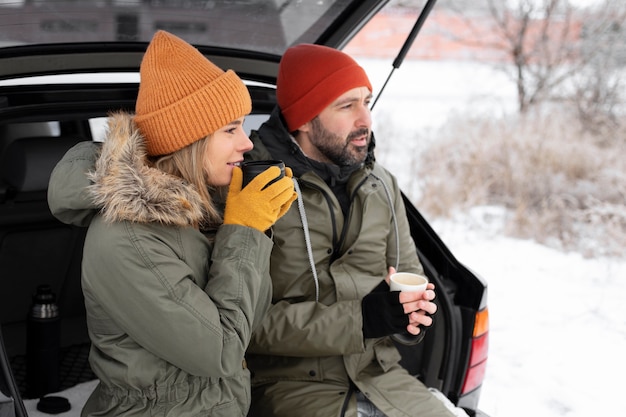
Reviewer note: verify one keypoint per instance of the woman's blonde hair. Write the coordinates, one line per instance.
(188, 163)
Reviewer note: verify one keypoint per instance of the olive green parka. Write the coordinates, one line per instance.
(309, 355)
(169, 313)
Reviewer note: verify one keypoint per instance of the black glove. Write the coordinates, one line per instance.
(382, 287)
(383, 314)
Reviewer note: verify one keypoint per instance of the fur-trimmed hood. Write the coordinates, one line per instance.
(127, 188)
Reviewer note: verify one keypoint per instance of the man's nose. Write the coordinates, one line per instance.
(365, 117)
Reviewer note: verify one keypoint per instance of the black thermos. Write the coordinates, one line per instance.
(43, 341)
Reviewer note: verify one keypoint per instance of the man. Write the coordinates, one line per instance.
(325, 349)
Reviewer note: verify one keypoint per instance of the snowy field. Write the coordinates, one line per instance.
(558, 326)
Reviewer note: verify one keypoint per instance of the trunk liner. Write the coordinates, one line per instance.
(74, 368)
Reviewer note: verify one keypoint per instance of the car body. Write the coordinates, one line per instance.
(64, 65)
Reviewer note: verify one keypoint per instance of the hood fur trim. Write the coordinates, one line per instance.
(128, 189)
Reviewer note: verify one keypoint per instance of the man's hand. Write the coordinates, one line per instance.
(419, 307)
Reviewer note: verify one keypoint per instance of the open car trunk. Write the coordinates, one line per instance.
(37, 249)
(42, 118)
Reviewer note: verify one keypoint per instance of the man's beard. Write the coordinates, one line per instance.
(340, 151)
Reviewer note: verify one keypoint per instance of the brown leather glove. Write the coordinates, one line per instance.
(254, 206)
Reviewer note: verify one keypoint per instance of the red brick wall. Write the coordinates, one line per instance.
(445, 35)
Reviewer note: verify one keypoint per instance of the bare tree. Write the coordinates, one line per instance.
(599, 90)
(539, 39)
(543, 45)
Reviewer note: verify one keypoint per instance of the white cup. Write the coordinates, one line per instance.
(407, 281)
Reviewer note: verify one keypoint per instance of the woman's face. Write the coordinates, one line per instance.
(224, 150)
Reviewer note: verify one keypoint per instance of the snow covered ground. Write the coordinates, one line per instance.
(558, 326)
(558, 320)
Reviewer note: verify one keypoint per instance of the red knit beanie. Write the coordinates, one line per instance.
(310, 77)
(183, 97)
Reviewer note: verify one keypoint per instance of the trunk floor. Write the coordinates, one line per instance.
(74, 368)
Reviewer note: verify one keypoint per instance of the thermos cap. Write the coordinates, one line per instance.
(53, 405)
(44, 303)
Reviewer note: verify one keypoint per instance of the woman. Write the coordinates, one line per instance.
(172, 294)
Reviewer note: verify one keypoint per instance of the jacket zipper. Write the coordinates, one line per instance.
(337, 243)
(346, 223)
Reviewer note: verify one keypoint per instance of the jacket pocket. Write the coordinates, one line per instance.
(386, 354)
(265, 369)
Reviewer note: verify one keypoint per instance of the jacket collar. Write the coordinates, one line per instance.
(128, 188)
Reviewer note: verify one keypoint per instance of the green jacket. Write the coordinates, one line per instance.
(169, 313)
(309, 355)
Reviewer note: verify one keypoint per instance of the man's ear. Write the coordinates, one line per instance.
(305, 127)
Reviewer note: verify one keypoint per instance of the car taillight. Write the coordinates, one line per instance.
(478, 353)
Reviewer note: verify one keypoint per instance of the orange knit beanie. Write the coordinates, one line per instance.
(310, 77)
(183, 97)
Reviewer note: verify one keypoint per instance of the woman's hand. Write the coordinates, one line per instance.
(255, 205)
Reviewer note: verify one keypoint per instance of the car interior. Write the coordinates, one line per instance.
(55, 96)
(36, 248)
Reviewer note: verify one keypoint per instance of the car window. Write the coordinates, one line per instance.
(256, 25)
(98, 128)
(10, 131)
(98, 125)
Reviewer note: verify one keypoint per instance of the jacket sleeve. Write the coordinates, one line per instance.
(149, 295)
(310, 329)
(67, 196)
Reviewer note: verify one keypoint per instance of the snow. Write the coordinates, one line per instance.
(557, 328)
(557, 320)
